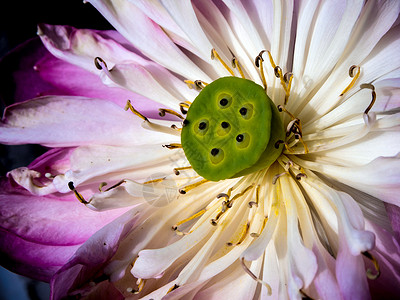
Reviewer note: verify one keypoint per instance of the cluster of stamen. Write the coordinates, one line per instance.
(293, 128)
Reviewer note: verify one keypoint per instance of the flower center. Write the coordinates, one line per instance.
(231, 129)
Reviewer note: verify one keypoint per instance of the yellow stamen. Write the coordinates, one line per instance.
(278, 72)
(198, 85)
(173, 146)
(243, 233)
(154, 180)
(129, 106)
(77, 195)
(163, 111)
(176, 170)
(255, 277)
(370, 275)
(173, 288)
(236, 64)
(192, 186)
(196, 215)
(214, 54)
(101, 185)
(255, 203)
(372, 88)
(351, 74)
(259, 64)
(140, 283)
(184, 106)
(289, 86)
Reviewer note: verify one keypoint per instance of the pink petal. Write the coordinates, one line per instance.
(69, 121)
(73, 80)
(58, 220)
(35, 260)
(387, 253)
(91, 257)
(19, 80)
(350, 273)
(393, 212)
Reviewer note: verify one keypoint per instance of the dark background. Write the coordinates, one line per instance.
(18, 23)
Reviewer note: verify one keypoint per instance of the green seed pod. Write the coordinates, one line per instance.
(231, 130)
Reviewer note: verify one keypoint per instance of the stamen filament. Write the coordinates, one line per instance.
(255, 277)
(176, 170)
(184, 106)
(214, 54)
(278, 72)
(79, 196)
(243, 234)
(236, 64)
(129, 106)
(173, 146)
(154, 180)
(192, 186)
(376, 265)
(198, 85)
(351, 74)
(163, 111)
(372, 88)
(196, 215)
(259, 64)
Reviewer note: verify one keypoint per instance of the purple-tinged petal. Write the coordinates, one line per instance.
(393, 212)
(67, 121)
(387, 253)
(19, 80)
(75, 81)
(91, 257)
(350, 272)
(35, 260)
(59, 220)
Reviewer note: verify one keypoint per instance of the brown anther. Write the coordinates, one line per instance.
(213, 222)
(173, 126)
(301, 175)
(184, 107)
(192, 186)
(173, 146)
(100, 63)
(220, 195)
(77, 195)
(353, 75)
(101, 185)
(177, 170)
(351, 71)
(287, 77)
(372, 88)
(132, 109)
(254, 235)
(173, 288)
(252, 203)
(277, 71)
(163, 111)
(259, 58)
(275, 178)
(278, 143)
(374, 261)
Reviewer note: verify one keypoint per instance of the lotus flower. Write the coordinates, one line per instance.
(172, 195)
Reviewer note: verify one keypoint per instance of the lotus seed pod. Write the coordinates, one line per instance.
(231, 130)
